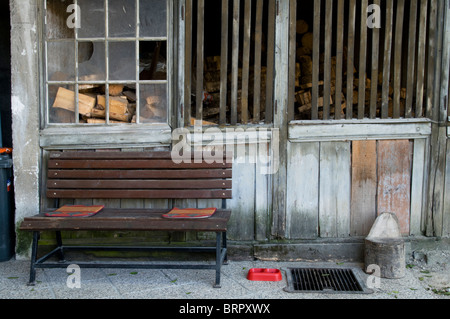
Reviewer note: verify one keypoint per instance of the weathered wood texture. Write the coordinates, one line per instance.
(364, 186)
(394, 180)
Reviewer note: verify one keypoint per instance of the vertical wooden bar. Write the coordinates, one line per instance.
(188, 64)
(374, 76)
(327, 58)
(417, 186)
(362, 60)
(421, 53)
(398, 57)
(431, 58)
(257, 67)
(394, 180)
(270, 62)
(316, 61)
(292, 57)
(364, 187)
(387, 60)
(339, 58)
(224, 65)
(350, 57)
(200, 55)
(246, 61)
(235, 62)
(411, 59)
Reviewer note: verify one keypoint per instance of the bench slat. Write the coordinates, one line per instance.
(85, 155)
(130, 164)
(139, 184)
(140, 194)
(130, 174)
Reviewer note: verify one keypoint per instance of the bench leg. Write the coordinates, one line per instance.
(34, 249)
(59, 243)
(218, 259)
(224, 245)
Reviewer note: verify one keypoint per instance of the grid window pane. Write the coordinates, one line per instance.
(61, 61)
(122, 18)
(153, 105)
(122, 61)
(153, 18)
(91, 61)
(92, 23)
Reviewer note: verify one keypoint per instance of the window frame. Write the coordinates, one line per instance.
(57, 135)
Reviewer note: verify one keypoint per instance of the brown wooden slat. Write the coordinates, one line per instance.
(350, 58)
(339, 59)
(375, 61)
(246, 61)
(257, 66)
(139, 184)
(167, 174)
(411, 78)
(387, 59)
(140, 194)
(316, 62)
(270, 61)
(398, 57)
(224, 64)
(421, 54)
(123, 155)
(327, 58)
(235, 62)
(362, 60)
(128, 219)
(130, 164)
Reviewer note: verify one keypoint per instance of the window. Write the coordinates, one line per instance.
(107, 61)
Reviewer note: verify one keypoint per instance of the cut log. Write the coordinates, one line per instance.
(115, 89)
(302, 27)
(117, 104)
(65, 99)
(124, 117)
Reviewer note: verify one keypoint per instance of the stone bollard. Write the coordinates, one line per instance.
(385, 247)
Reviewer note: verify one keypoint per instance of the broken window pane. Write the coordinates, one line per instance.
(122, 18)
(92, 23)
(61, 102)
(152, 60)
(61, 61)
(153, 105)
(122, 61)
(91, 61)
(153, 18)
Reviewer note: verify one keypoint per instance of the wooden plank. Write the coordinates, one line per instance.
(224, 64)
(364, 187)
(362, 60)
(432, 44)
(374, 74)
(417, 186)
(188, 64)
(138, 194)
(387, 60)
(339, 58)
(327, 58)
(160, 173)
(242, 225)
(246, 61)
(235, 62)
(292, 58)
(270, 62)
(130, 164)
(394, 180)
(421, 54)
(446, 217)
(398, 58)
(302, 200)
(316, 61)
(411, 78)
(350, 57)
(257, 66)
(335, 189)
(138, 184)
(200, 57)
(263, 195)
(125, 155)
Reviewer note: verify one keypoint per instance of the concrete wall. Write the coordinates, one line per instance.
(25, 112)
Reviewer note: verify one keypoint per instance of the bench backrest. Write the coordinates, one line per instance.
(135, 175)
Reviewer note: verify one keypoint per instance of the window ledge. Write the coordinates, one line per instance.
(70, 137)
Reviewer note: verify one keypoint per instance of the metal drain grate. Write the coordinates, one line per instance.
(324, 280)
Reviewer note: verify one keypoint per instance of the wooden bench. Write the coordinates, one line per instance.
(131, 175)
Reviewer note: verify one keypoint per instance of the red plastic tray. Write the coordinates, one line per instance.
(264, 274)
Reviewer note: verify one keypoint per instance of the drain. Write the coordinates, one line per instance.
(324, 280)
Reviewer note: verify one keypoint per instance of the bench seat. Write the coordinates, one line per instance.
(121, 219)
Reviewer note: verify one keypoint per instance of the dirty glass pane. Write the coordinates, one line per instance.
(122, 61)
(153, 104)
(59, 21)
(152, 60)
(92, 24)
(122, 18)
(61, 103)
(91, 61)
(153, 18)
(61, 61)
